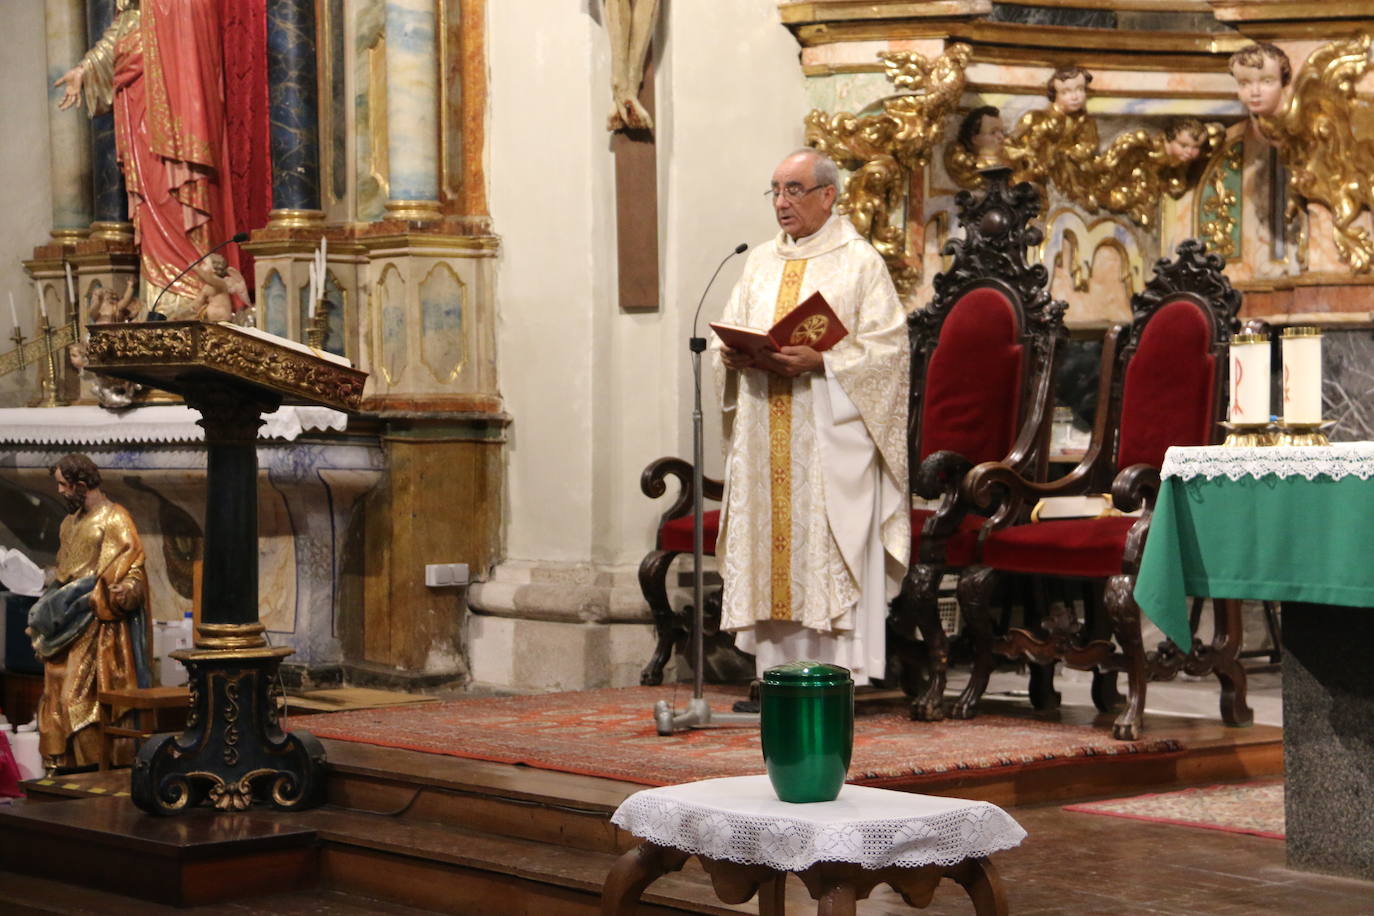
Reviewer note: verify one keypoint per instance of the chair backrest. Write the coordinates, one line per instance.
(1170, 371)
(983, 350)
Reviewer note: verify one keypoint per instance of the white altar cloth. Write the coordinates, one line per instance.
(740, 819)
(90, 425)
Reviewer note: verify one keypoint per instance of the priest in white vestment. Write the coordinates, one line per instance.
(815, 530)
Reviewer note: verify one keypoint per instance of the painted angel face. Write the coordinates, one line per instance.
(1183, 147)
(1260, 88)
(1071, 95)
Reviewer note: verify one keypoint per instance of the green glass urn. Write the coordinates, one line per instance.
(806, 713)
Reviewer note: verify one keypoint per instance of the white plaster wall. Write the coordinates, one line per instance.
(596, 393)
(25, 201)
(550, 184)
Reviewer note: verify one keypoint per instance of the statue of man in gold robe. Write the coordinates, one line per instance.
(91, 627)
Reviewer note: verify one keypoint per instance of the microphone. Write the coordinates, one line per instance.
(153, 313)
(698, 344)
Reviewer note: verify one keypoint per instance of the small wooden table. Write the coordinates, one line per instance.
(748, 842)
(140, 700)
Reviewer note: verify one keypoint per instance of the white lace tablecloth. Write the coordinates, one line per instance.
(1343, 459)
(740, 819)
(89, 425)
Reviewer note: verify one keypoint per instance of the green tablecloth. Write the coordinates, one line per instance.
(1288, 539)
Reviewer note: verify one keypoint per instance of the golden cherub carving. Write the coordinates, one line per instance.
(977, 145)
(882, 150)
(1324, 132)
(1140, 167)
(1058, 145)
(215, 300)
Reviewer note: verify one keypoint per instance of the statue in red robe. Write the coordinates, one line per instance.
(160, 67)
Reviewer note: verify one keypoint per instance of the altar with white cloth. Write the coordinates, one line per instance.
(1289, 524)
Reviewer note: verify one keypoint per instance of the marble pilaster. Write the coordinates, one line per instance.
(68, 131)
(109, 200)
(294, 111)
(412, 102)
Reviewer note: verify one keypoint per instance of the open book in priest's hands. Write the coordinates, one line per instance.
(812, 324)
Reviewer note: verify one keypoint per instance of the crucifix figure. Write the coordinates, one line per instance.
(631, 25)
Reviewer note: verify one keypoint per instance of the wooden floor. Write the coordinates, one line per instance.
(388, 809)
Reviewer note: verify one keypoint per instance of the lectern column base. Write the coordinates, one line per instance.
(233, 752)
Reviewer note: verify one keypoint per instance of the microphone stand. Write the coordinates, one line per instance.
(698, 713)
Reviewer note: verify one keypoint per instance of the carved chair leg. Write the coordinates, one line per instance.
(976, 588)
(1271, 621)
(653, 582)
(633, 872)
(923, 583)
(1125, 614)
(1226, 662)
(1040, 683)
(981, 881)
(1105, 694)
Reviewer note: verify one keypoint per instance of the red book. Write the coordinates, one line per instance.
(813, 324)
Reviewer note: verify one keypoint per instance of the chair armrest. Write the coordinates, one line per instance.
(939, 474)
(652, 484)
(1136, 487)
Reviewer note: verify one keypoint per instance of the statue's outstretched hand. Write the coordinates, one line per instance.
(72, 79)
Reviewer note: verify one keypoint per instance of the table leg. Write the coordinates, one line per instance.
(982, 883)
(773, 896)
(633, 872)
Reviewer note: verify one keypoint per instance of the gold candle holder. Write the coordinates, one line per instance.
(18, 337)
(1302, 434)
(1249, 435)
(48, 384)
(318, 330)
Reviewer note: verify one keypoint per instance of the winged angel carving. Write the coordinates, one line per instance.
(1324, 133)
(882, 150)
(1140, 167)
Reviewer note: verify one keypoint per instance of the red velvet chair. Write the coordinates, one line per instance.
(674, 537)
(983, 355)
(1161, 385)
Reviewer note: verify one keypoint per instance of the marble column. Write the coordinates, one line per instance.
(68, 131)
(412, 110)
(294, 111)
(110, 202)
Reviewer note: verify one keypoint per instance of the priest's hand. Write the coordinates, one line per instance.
(73, 79)
(792, 361)
(736, 359)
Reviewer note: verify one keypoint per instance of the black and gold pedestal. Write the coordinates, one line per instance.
(233, 752)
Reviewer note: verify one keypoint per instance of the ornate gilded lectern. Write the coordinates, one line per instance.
(233, 751)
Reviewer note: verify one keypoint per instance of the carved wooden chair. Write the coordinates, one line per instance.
(1161, 385)
(674, 537)
(983, 355)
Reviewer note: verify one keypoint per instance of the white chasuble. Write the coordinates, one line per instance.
(815, 529)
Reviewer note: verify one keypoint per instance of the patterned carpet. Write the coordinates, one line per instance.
(611, 733)
(1253, 807)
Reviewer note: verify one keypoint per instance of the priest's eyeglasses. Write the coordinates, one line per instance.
(792, 191)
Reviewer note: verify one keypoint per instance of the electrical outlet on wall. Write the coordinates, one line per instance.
(444, 575)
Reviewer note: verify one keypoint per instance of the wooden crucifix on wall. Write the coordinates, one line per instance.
(631, 27)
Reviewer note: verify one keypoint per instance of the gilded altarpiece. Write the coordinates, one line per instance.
(1130, 203)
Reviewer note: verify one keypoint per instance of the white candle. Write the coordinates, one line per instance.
(14, 312)
(71, 284)
(1302, 377)
(42, 306)
(1249, 378)
(314, 283)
